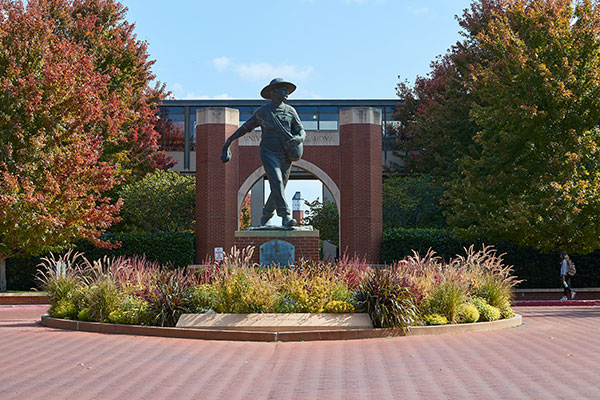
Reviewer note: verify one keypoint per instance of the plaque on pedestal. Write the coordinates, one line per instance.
(305, 243)
(276, 252)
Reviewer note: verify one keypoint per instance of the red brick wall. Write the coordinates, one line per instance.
(216, 190)
(16, 299)
(360, 187)
(304, 246)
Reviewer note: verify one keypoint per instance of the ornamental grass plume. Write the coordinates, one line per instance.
(488, 277)
(60, 275)
(352, 270)
(421, 274)
(238, 258)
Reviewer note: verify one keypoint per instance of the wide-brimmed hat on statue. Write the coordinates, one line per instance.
(275, 83)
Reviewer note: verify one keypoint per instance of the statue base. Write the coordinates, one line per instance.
(304, 242)
(281, 228)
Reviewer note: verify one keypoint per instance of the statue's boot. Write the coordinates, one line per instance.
(265, 219)
(288, 221)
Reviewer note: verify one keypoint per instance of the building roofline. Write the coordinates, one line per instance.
(308, 102)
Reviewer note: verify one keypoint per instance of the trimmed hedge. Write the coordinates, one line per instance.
(538, 270)
(174, 249)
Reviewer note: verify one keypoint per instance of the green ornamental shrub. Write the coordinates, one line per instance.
(84, 314)
(133, 311)
(491, 314)
(202, 298)
(286, 305)
(446, 299)
(294, 296)
(506, 312)
(103, 298)
(63, 308)
(242, 293)
(486, 311)
(435, 319)
(321, 292)
(336, 306)
(467, 313)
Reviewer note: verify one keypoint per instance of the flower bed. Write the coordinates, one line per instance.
(413, 292)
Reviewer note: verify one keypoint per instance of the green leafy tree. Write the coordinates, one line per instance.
(162, 201)
(246, 214)
(52, 136)
(325, 218)
(435, 129)
(412, 202)
(536, 102)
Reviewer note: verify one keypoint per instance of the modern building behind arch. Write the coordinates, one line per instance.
(178, 119)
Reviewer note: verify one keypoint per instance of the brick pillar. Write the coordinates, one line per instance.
(360, 182)
(298, 215)
(216, 182)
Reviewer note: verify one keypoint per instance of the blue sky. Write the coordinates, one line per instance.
(331, 49)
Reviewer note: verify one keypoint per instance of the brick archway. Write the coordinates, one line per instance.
(302, 164)
(347, 161)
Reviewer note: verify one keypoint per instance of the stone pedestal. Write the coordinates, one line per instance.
(305, 242)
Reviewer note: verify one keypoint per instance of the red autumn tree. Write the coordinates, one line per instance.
(100, 28)
(57, 112)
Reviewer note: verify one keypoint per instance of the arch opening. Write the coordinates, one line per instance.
(307, 166)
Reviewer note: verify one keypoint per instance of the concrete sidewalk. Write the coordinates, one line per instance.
(554, 355)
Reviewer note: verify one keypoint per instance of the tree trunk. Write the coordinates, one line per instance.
(2, 274)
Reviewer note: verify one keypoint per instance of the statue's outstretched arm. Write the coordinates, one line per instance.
(248, 126)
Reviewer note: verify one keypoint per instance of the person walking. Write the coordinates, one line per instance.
(566, 262)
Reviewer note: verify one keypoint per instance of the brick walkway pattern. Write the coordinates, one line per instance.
(554, 355)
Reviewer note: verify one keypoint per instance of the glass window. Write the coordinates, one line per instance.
(328, 122)
(171, 127)
(306, 109)
(328, 125)
(329, 109)
(244, 109)
(245, 113)
(172, 110)
(309, 121)
(193, 127)
(244, 116)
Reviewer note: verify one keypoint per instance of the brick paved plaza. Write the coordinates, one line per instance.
(554, 355)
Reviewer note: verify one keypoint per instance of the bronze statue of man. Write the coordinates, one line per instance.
(280, 144)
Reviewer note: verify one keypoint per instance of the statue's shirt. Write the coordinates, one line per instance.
(274, 138)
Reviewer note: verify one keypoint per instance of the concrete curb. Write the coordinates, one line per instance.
(258, 336)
